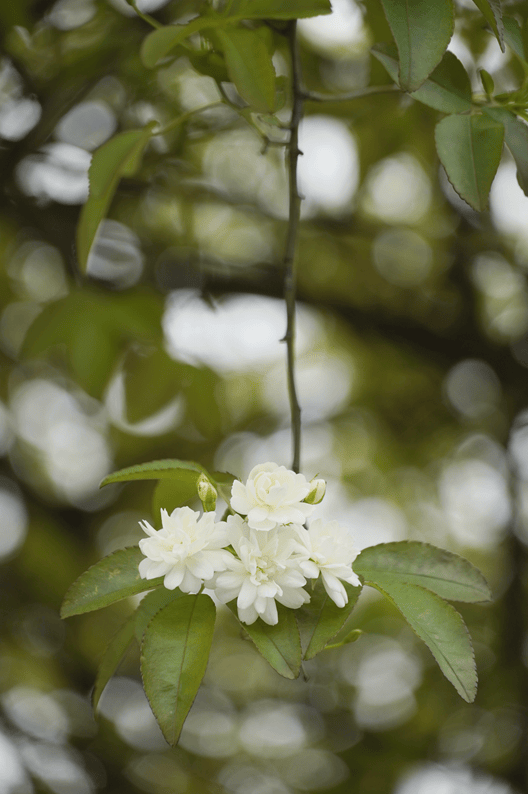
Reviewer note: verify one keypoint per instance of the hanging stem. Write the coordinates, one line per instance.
(291, 242)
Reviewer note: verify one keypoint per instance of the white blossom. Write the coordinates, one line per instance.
(188, 549)
(265, 571)
(273, 495)
(329, 551)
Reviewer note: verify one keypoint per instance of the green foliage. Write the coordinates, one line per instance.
(321, 620)
(174, 656)
(492, 11)
(516, 139)
(113, 654)
(182, 470)
(250, 68)
(280, 645)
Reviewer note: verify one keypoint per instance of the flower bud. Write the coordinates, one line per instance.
(207, 493)
(317, 492)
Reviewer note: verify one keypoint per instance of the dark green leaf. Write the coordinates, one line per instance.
(487, 82)
(92, 354)
(120, 156)
(492, 12)
(412, 562)
(514, 38)
(442, 629)
(422, 30)
(280, 645)
(184, 470)
(470, 149)
(250, 67)
(279, 9)
(174, 657)
(447, 88)
(155, 368)
(516, 139)
(111, 579)
(320, 620)
(149, 606)
(170, 494)
(114, 653)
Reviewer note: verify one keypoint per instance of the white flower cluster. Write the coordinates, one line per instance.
(260, 556)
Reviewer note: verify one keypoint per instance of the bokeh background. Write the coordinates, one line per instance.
(412, 366)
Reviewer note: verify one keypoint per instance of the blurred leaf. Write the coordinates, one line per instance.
(170, 494)
(160, 42)
(184, 470)
(278, 9)
(280, 645)
(112, 656)
(442, 629)
(250, 67)
(447, 88)
(202, 406)
(412, 562)
(174, 657)
(320, 620)
(111, 579)
(92, 354)
(492, 12)
(470, 149)
(514, 38)
(516, 139)
(149, 606)
(152, 380)
(120, 156)
(422, 30)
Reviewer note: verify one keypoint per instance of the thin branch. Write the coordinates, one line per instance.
(314, 96)
(291, 242)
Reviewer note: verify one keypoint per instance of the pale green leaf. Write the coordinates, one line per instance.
(112, 656)
(170, 494)
(320, 620)
(111, 579)
(516, 139)
(513, 36)
(158, 44)
(174, 657)
(470, 149)
(250, 67)
(411, 562)
(279, 9)
(149, 606)
(442, 629)
(280, 645)
(492, 12)
(422, 30)
(184, 470)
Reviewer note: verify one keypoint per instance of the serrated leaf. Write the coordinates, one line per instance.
(422, 30)
(411, 562)
(184, 470)
(278, 9)
(170, 494)
(492, 12)
(149, 606)
(516, 139)
(470, 148)
(448, 87)
(174, 656)
(120, 156)
(320, 620)
(250, 67)
(514, 38)
(115, 651)
(442, 629)
(111, 579)
(280, 645)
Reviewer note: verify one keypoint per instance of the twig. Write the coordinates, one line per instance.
(291, 242)
(314, 96)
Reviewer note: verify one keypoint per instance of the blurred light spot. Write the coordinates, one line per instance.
(245, 779)
(437, 779)
(272, 730)
(125, 703)
(18, 117)
(238, 334)
(496, 277)
(58, 173)
(156, 425)
(116, 255)
(508, 204)
(39, 269)
(473, 388)
(313, 769)
(342, 28)
(209, 733)
(81, 721)
(223, 233)
(458, 47)
(60, 769)
(402, 257)
(374, 520)
(397, 190)
(87, 125)
(519, 445)
(36, 713)
(143, 5)
(15, 321)
(475, 498)
(329, 169)
(118, 531)
(13, 526)
(13, 777)
(41, 630)
(157, 774)
(71, 14)
(6, 430)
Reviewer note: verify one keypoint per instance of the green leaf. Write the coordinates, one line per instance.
(183, 470)
(442, 629)
(174, 657)
(155, 368)
(120, 156)
(112, 656)
(422, 30)
(513, 36)
(412, 562)
(487, 82)
(320, 620)
(516, 139)
(447, 88)
(111, 579)
(492, 12)
(158, 44)
(170, 494)
(250, 67)
(470, 149)
(149, 606)
(280, 645)
(278, 9)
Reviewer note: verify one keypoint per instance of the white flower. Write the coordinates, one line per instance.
(329, 550)
(266, 571)
(273, 495)
(188, 549)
